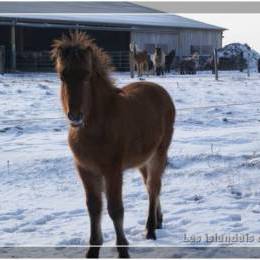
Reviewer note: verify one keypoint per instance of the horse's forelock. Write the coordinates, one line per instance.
(75, 46)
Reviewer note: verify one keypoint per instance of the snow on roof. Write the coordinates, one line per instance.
(73, 7)
(128, 14)
(150, 20)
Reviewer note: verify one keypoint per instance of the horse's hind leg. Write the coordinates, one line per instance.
(159, 216)
(152, 174)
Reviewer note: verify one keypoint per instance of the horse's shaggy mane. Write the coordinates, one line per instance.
(81, 42)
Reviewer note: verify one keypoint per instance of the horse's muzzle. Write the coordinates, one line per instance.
(76, 120)
(78, 123)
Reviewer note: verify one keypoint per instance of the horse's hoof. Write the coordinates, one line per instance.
(151, 235)
(159, 226)
(93, 253)
(159, 221)
(123, 252)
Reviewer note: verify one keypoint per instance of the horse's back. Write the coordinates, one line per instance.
(151, 102)
(150, 92)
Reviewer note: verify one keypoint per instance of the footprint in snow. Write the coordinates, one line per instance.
(28, 230)
(10, 230)
(237, 194)
(44, 220)
(43, 86)
(196, 198)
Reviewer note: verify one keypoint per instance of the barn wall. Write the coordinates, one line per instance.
(198, 38)
(167, 40)
(180, 40)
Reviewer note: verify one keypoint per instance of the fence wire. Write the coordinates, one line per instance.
(44, 119)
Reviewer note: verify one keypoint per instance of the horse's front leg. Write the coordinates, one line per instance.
(116, 209)
(93, 189)
(139, 70)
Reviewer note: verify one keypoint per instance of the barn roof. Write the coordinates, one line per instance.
(73, 7)
(128, 15)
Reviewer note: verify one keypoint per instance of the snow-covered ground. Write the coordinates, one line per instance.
(211, 184)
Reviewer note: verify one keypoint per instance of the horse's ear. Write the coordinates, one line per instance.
(89, 50)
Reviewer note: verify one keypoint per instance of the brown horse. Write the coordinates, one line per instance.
(140, 59)
(112, 130)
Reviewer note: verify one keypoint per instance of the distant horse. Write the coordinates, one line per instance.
(169, 60)
(189, 65)
(158, 59)
(140, 59)
(112, 130)
(209, 64)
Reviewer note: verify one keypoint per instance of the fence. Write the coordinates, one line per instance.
(5, 122)
(40, 61)
(34, 61)
(120, 59)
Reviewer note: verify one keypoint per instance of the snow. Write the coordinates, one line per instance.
(234, 50)
(210, 186)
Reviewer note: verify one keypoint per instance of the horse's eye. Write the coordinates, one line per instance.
(64, 76)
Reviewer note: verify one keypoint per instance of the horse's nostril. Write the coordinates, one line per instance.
(70, 117)
(75, 117)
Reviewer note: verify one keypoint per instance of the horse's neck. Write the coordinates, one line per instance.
(102, 91)
(134, 49)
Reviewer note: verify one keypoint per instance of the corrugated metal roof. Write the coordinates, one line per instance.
(136, 20)
(73, 7)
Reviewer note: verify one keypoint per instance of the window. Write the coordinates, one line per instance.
(164, 47)
(202, 50)
(194, 48)
(149, 48)
(206, 50)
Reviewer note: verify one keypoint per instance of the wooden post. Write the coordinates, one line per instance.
(216, 63)
(13, 57)
(131, 61)
(2, 59)
(248, 68)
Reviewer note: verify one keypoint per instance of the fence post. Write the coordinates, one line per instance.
(248, 68)
(13, 48)
(131, 61)
(2, 59)
(216, 63)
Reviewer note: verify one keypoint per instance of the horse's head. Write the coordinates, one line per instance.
(157, 50)
(172, 53)
(195, 56)
(73, 62)
(132, 47)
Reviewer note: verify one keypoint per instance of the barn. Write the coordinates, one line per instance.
(27, 30)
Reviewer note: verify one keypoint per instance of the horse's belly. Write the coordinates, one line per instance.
(137, 161)
(139, 153)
